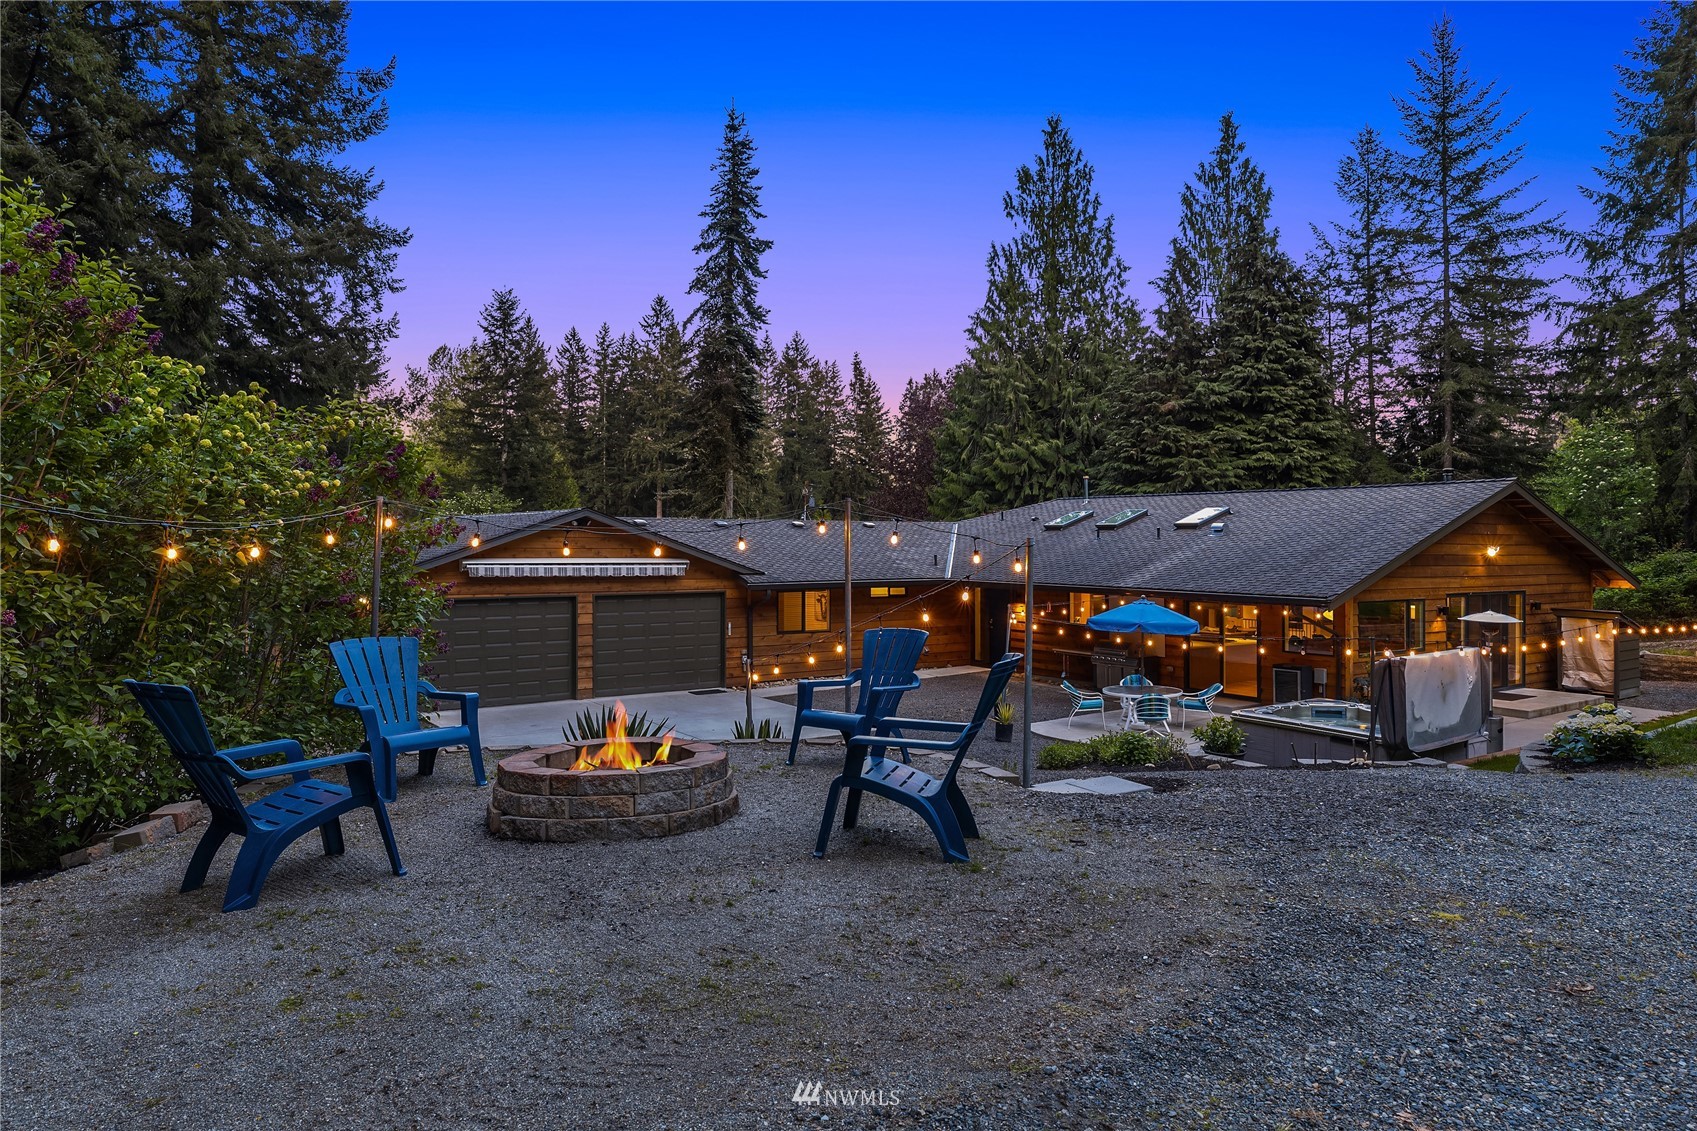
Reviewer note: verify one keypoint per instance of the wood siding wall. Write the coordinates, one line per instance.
(1529, 561)
(950, 621)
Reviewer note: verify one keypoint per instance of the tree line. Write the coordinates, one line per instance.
(1423, 335)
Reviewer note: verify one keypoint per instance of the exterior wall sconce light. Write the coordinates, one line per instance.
(1493, 551)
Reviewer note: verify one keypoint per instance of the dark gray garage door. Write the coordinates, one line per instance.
(517, 651)
(670, 643)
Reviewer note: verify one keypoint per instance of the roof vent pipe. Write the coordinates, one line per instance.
(1087, 488)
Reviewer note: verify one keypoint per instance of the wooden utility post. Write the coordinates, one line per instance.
(377, 570)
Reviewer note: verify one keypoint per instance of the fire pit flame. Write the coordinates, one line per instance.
(620, 753)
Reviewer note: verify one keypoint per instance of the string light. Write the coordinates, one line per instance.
(977, 555)
(896, 534)
(476, 535)
(811, 659)
(776, 669)
(839, 649)
(388, 522)
(820, 527)
(171, 551)
(255, 552)
(565, 547)
(742, 542)
(658, 551)
(329, 537)
(965, 593)
(1493, 551)
(924, 617)
(53, 544)
(1018, 566)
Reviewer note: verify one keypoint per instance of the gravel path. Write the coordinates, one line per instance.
(1666, 695)
(1250, 950)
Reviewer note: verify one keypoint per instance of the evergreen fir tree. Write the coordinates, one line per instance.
(805, 395)
(1234, 393)
(925, 406)
(1633, 334)
(1474, 247)
(659, 435)
(574, 390)
(1055, 333)
(200, 141)
(724, 379)
(864, 468)
(507, 429)
(1359, 264)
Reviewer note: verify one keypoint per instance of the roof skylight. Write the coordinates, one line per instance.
(1121, 518)
(1071, 518)
(1201, 518)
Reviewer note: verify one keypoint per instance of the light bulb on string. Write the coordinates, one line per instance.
(329, 537)
(388, 522)
(171, 552)
(776, 669)
(839, 649)
(255, 551)
(965, 594)
(742, 542)
(977, 556)
(924, 616)
(658, 551)
(476, 536)
(896, 534)
(53, 544)
(820, 526)
(565, 547)
(811, 659)
(1018, 566)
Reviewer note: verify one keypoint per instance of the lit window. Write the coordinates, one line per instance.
(804, 610)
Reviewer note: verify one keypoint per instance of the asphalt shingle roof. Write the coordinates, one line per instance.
(1307, 546)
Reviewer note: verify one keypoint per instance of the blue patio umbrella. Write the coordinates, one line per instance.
(1144, 615)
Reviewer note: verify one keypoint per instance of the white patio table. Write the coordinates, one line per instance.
(1128, 697)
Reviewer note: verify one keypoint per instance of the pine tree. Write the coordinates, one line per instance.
(1359, 263)
(1474, 248)
(806, 407)
(573, 389)
(864, 467)
(1055, 333)
(200, 140)
(1633, 335)
(659, 435)
(925, 406)
(507, 427)
(1234, 392)
(724, 380)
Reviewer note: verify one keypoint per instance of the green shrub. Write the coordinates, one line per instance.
(96, 421)
(1063, 756)
(1667, 590)
(1125, 748)
(1601, 733)
(1221, 736)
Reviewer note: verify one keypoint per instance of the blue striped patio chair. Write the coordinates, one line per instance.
(1083, 701)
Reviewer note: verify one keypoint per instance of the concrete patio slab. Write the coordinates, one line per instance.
(709, 716)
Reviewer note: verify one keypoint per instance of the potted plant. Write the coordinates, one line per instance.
(1004, 719)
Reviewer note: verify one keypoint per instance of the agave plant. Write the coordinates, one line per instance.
(769, 730)
(591, 724)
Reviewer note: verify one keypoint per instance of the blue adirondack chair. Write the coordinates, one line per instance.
(276, 820)
(888, 657)
(938, 800)
(380, 678)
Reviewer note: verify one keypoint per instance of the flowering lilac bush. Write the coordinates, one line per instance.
(1600, 733)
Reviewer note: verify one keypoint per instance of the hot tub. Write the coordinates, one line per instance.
(1276, 735)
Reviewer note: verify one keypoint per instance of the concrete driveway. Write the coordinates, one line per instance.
(709, 716)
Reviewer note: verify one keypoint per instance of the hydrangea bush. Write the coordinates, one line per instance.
(93, 418)
(1600, 733)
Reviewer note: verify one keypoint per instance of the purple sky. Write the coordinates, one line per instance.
(562, 149)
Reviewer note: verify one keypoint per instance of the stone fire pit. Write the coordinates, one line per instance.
(537, 798)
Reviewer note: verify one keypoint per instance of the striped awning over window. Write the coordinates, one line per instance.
(576, 567)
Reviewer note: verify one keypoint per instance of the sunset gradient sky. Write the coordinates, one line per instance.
(562, 149)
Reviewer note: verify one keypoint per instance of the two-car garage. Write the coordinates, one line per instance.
(524, 649)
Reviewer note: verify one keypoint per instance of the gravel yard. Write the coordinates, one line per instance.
(1257, 949)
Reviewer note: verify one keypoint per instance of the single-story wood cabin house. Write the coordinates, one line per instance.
(1296, 590)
